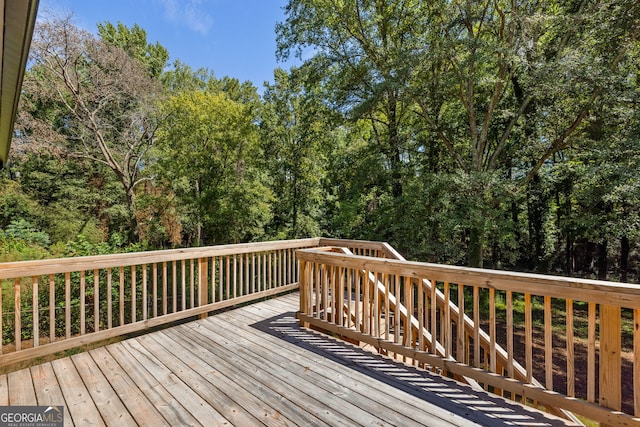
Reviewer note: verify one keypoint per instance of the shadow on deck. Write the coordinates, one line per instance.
(252, 366)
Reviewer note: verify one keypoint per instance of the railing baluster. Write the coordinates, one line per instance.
(348, 294)
(340, 287)
(67, 307)
(460, 350)
(376, 305)
(235, 276)
(447, 320)
(319, 289)
(203, 280)
(591, 353)
(183, 284)
(261, 271)
(434, 309)
(476, 326)
(292, 264)
(510, 327)
(396, 314)
(240, 282)
(52, 310)
(145, 312)
(35, 312)
(407, 319)
(164, 287)
(247, 276)
(420, 314)
(134, 294)
(96, 300)
(492, 330)
(366, 303)
(154, 289)
(571, 370)
(192, 282)
(228, 277)
(174, 286)
(548, 344)
(358, 305)
(528, 333)
(269, 270)
(281, 268)
(387, 305)
(443, 328)
(325, 293)
(220, 278)
(284, 267)
(213, 279)
(610, 393)
(253, 272)
(82, 303)
(413, 334)
(121, 293)
(17, 315)
(109, 300)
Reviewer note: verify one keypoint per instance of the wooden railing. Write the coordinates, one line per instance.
(51, 305)
(508, 332)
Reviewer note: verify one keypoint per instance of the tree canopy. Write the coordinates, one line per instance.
(499, 133)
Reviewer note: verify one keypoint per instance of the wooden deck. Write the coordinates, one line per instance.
(252, 366)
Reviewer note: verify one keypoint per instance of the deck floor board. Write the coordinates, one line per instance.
(253, 365)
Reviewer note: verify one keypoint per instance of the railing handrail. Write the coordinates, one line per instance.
(10, 270)
(601, 292)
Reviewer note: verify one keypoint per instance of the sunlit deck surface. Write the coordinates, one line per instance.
(252, 366)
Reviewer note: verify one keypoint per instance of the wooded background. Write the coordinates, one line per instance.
(503, 134)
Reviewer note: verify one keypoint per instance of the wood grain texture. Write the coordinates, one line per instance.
(249, 366)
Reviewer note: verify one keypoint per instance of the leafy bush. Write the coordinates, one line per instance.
(23, 230)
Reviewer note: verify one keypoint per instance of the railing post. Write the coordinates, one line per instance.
(203, 284)
(610, 359)
(305, 290)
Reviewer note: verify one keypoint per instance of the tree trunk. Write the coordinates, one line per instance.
(133, 220)
(394, 153)
(537, 211)
(602, 260)
(199, 219)
(476, 246)
(569, 256)
(624, 258)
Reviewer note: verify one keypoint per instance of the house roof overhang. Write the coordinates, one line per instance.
(18, 20)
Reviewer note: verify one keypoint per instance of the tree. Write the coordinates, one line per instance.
(360, 56)
(208, 152)
(104, 102)
(499, 86)
(506, 85)
(296, 130)
(133, 40)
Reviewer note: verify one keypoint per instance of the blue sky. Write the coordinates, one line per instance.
(233, 38)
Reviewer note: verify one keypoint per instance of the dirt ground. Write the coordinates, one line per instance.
(560, 365)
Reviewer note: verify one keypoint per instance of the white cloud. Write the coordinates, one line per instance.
(188, 12)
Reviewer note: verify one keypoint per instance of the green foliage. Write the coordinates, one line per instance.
(23, 230)
(133, 40)
(296, 133)
(14, 203)
(501, 134)
(208, 151)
